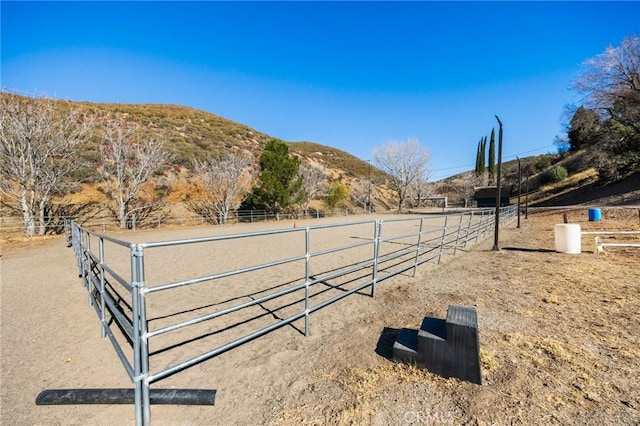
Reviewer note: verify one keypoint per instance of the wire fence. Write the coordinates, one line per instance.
(247, 285)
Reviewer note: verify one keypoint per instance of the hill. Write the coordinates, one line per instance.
(193, 134)
(544, 188)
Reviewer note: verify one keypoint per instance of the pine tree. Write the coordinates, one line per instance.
(279, 180)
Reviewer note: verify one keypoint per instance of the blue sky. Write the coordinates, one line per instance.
(351, 75)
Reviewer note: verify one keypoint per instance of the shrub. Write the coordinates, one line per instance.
(542, 163)
(555, 175)
(336, 195)
(559, 174)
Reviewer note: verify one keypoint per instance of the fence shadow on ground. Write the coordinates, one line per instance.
(528, 249)
(342, 287)
(396, 247)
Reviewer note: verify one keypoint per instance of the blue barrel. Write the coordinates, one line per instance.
(595, 215)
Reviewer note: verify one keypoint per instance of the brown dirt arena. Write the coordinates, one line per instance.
(560, 341)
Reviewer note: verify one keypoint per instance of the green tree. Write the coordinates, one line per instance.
(336, 195)
(492, 157)
(480, 156)
(279, 179)
(477, 169)
(618, 154)
(483, 156)
(583, 128)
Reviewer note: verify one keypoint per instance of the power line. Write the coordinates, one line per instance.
(520, 154)
(512, 156)
(454, 167)
(530, 151)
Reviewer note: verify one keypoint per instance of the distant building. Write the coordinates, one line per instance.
(485, 196)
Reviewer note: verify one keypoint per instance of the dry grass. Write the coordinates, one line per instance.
(558, 343)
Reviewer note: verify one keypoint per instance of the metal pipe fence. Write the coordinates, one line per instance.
(279, 278)
(14, 224)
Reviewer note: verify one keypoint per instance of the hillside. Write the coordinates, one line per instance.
(193, 134)
(580, 187)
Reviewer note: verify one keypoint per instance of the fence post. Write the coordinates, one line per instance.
(466, 239)
(415, 263)
(487, 227)
(444, 235)
(136, 337)
(86, 267)
(84, 238)
(67, 230)
(307, 258)
(377, 231)
(76, 239)
(140, 352)
(103, 322)
(455, 246)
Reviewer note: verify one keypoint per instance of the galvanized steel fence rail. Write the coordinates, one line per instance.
(55, 224)
(322, 265)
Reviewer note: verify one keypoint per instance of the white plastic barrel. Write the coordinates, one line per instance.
(568, 238)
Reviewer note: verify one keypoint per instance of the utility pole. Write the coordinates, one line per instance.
(496, 245)
(526, 198)
(369, 189)
(519, 185)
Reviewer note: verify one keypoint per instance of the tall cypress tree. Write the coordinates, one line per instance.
(492, 157)
(479, 159)
(483, 155)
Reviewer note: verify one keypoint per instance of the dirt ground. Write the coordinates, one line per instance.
(560, 342)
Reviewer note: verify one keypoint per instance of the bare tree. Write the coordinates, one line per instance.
(611, 84)
(314, 182)
(404, 163)
(39, 141)
(362, 191)
(465, 186)
(419, 190)
(127, 165)
(226, 181)
(611, 79)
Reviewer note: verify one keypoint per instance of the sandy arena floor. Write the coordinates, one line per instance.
(560, 339)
